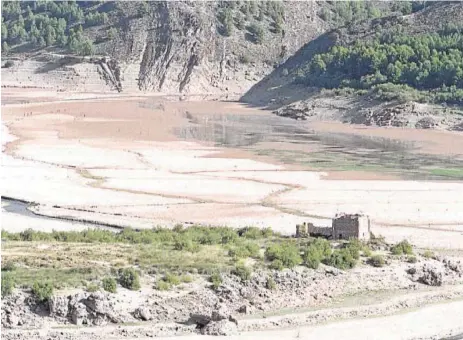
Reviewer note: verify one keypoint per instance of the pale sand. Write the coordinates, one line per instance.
(425, 323)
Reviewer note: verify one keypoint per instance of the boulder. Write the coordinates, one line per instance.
(142, 313)
(222, 327)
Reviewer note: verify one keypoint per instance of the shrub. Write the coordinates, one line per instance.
(270, 284)
(186, 278)
(412, 259)
(402, 248)
(163, 285)
(129, 278)
(367, 251)
(253, 233)
(109, 284)
(287, 253)
(92, 287)
(184, 243)
(428, 254)
(277, 265)
(354, 247)
(312, 257)
(8, 284)
(42, 290)
(377, 261)
(174, 280)
(243, 272)
(317, 251)
(216, 280)
(245, 250)
(341, 259)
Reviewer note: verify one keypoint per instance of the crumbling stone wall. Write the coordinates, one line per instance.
(351, 226)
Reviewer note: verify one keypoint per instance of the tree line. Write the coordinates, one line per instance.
(49, 23)
(432, 61)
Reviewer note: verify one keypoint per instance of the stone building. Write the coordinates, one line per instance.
(346, 226)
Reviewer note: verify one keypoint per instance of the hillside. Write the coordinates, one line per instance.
(374, 68)
(169, 47)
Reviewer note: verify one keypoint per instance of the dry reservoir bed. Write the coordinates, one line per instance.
(144, 162)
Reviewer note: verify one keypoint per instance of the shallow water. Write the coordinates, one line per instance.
(296, 143)
(21, 208)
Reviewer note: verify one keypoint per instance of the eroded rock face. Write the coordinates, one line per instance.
(59, 306)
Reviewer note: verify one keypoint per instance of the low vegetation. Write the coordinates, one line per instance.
(42, 290)
(109, 284)
(71, 259)
(402, 248)
(8, 284)
(287, 252)
(243, 272)
(216, 280)
(129, 278)
(377, 261)
(428, 254)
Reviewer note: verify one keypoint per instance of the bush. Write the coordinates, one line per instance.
(377, 261)
(270, 284)
(129, 278)
(186, 278)
(109, 284)
(317, 251)
(8, 284)
(163, 285)
(412, 259)
(341, 259)
(402, 248)
(42, 290)
(185, 243)
(277, 265)
(216, 280)
(287, 253)
(428, 254)
(243, 272)
(312, 257)
(245, 250)
(252, 233)
(92, 287)
(174, 280)
(354, 247)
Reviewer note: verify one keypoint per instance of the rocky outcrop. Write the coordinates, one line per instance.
(432, 275)
(177, 47)
(222, 327)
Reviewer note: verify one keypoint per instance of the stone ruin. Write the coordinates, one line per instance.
(344, 226)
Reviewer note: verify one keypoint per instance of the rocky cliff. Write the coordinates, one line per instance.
(176, 47)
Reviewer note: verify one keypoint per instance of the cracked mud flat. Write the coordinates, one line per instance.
(143, 162)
